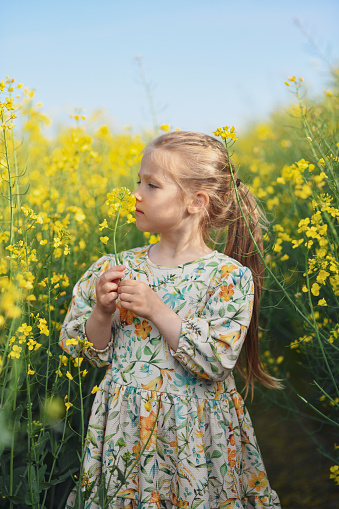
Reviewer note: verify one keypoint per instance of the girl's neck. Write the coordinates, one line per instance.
(170, 252)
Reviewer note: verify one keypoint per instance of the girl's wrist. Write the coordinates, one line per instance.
(101, 315)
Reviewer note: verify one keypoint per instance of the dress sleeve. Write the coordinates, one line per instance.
(83, 301)
(210, 344)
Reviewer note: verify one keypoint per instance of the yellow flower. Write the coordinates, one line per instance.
(103, 225)
(72, 341)
(104, 240)
(30, 371)
(63, 359)
(226, 133)
(68, 405)
(69, 376)
(165, 127)
(84, 372)
(95, 389)
(77, 361)
(322, 276)
(315, 289)
(15, 353)
(148, 406)
(322, 302)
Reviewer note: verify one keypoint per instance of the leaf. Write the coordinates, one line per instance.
(92, 439)
(166, 470)
(216, 454)
(96, 426)
(148, 459)
(14, 498)
(147, 350)
(129, 367)
(138, 354)
(108, 437)
(41, 475)
(196, 504)
(160, 451)
(113, 415)
(155, 341)
(231, 308)
(222, 311)
(41, 444)
(59, 479)
(223, 469)
(149, 480)
(149, 490)
(214, 368)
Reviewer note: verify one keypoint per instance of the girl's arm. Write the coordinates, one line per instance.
(99, 323)
(207, 345)
(84, 308)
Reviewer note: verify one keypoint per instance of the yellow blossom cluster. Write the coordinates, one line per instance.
(334, 473)
(24, 337)
(226, 133)
(121, 201)
(7, 106)
(272, 363)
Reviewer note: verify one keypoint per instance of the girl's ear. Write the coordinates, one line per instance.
(198, 203)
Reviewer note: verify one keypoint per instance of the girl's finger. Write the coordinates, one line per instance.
(126, 297)
(129, 283)
(109, 287)
(111, 275)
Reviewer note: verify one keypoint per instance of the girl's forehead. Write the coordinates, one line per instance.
(156, 166)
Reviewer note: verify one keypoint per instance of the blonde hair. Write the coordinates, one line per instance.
(198, 162)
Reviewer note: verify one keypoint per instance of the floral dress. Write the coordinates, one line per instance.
(175, 419)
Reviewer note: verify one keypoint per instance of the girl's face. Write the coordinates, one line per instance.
(160, 204)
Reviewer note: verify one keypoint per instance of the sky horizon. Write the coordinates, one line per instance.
(208, 63)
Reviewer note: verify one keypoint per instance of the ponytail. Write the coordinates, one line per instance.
(243, 246)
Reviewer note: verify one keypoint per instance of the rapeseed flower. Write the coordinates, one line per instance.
(121, 204)
(226, 133)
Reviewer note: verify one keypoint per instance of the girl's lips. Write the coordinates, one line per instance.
(138, 211)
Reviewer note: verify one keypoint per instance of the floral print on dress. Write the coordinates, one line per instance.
(202, 452)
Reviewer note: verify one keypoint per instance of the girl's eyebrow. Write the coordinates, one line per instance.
(149, 176)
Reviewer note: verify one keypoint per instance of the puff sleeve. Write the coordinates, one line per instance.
(211, 341)
(83, 301)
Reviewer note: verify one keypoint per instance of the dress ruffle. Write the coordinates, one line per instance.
(127, 503)
(194, 442)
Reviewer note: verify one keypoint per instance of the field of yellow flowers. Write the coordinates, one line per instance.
(54, 222)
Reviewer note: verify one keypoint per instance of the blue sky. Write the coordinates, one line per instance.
(210, 63)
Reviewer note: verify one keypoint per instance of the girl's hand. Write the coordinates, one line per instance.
(139, 298)
(107, 289)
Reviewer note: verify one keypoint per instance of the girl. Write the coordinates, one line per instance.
(170, 323)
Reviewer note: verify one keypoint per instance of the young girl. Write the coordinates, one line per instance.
(170, 323)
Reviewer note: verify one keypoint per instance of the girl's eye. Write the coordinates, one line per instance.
(138, 182)
(153, 186)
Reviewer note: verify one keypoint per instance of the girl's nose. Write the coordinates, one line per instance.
(137, 194)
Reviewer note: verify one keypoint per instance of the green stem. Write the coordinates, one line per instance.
(11, 472)
(11, 201)
(16, 177)
(117, 261)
